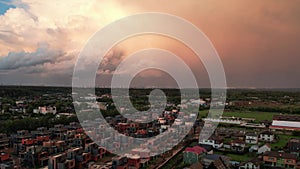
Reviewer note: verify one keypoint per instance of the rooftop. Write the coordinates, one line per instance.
(196, 149)
(281, 155)
(286, 118)
(295, 140)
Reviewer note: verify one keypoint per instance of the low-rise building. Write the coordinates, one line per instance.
(267, 136)
(119, 162)
(214, 141)
(209, 159)
(220, 163)
(238, 146)
(254, 163)
(251, 138)
(208, 148)
(279, 159)
(253, 148)
(294, 145)
(45, 110)
(286, 122)
(263, 149)
(192, 155)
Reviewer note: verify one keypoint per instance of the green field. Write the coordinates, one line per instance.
(282, 141)
(234, 157)
(258, 116)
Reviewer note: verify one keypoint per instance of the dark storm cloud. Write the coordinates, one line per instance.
(16, 60)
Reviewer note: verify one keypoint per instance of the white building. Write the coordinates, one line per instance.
(252, 164)
(267, 136)
(45, 110)
(214, 142)
(264, 149)
(251, 138)
(223, 120)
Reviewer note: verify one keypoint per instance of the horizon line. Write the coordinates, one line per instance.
(152, 87)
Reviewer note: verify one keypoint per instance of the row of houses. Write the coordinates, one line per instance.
(239, 140)
(272, 159)
(203, 157)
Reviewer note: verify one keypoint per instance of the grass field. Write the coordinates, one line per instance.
(258, 116)
(282, 141)
(235, 157)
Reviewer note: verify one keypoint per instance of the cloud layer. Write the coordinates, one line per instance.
(258, 41)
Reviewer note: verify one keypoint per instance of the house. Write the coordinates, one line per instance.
(263, 149)
(207, 160)
(254, 163)
(251, 138)
(191, 155)
(45, 110)
(253, 148)
(215, 142)
(294, 145)
(208, 148)
(227, 144)
(279, 159)
(267, 136)
(133, 161)
(119, 162)
(220, 163)
(238, 146)
(197, 165)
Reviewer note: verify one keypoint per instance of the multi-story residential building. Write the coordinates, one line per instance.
(254, 163)
(57, 131)
(280, 159)
(214, 141)
(72, 158)
(251, 138)
(45, 110)
(294, 145)
(238, 146)
(119, 162)
(18, 141)
(267, 136)
(4, 141)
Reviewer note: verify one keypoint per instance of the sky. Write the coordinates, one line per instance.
(5, 5)
(257, 41)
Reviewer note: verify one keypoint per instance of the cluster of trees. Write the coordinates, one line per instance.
(273, 109)
(280, 96)
(32, 123)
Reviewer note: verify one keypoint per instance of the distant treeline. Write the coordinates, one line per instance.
(32, 123)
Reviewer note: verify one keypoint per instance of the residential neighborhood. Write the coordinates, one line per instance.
(55, 139)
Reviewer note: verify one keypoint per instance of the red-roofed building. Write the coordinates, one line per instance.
(3, 156)
(286, 122)
(280, 159)
(191, 155)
